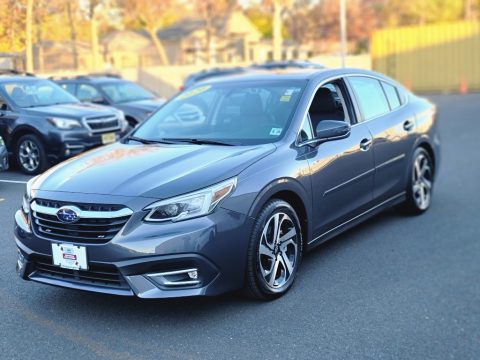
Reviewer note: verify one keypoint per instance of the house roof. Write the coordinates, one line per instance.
(235, 22)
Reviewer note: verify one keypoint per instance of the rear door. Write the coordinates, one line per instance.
(392, 126)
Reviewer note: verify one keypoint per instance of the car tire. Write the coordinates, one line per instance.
(31, 155)
(272, 262)
(420, 184)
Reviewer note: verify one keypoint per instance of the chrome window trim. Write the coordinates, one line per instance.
(84, 214)
(379, 79)
(354, 99)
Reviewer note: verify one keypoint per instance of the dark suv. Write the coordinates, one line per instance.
(42, 124)
(136, 102)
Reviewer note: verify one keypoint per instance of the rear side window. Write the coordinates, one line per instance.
(70, 87)
(370, 96)
(87, 92)
(392, 95)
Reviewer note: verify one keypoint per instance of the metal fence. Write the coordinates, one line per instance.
(432, 58)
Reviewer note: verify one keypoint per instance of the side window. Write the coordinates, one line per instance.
(70, 87)
(306, 132)
(392, 95)
(370, 96)
(328, 104)
(87, 92)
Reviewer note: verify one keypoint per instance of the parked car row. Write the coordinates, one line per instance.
(43, 122)
(255, 68)
(136, 102)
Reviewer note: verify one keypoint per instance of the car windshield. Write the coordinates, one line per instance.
(234, 113)
(120, 92)
(33, 93)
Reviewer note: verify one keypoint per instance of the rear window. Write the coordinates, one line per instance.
(392, 95)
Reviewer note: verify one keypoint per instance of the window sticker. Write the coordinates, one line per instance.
(287, 95)
(275, 131)
(189, 93)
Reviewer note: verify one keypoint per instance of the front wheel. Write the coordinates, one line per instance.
(420, 184)
(275, 251)
(31, 155)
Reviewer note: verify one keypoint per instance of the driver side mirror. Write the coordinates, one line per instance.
(328, 130)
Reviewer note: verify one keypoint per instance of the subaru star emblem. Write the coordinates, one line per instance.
(68, 214)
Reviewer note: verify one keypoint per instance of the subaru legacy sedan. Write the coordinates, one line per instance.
(271, 166)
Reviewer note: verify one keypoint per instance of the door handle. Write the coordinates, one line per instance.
(408, 125)
(365, 144)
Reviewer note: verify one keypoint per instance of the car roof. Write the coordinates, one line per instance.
(91, 79)
(291, 75)
(17, 78)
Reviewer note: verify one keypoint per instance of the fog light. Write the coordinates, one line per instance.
(193, 274)
(186, 277)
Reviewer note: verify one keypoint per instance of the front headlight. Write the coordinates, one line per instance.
(2, 143)
(25, 205)
(64, 124)
(27, 196)
(191, 205)
(121, 118)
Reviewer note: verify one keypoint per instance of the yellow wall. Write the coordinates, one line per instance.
(430, 58)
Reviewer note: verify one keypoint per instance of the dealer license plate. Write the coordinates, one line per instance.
(69, 256)
(108, 138)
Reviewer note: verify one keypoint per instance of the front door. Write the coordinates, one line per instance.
(342, 171)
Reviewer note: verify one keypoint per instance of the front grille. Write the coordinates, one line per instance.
(97, 275)
(102, 124)
(97, 225)
(82, 206)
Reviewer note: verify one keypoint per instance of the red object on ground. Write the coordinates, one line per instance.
(463, 88)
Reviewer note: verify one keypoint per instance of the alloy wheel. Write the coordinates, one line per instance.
(422, 181)
(29, 155)
(277, 252)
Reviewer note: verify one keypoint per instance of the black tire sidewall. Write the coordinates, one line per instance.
(256, 282)
(41, 148)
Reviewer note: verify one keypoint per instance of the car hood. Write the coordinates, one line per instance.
(153, 171)
(72, 111)
(141, 105)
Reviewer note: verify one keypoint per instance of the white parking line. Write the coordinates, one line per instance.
(13, 182)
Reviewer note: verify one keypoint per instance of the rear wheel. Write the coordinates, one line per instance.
(31, 155)
(420, 185)
(275, 251)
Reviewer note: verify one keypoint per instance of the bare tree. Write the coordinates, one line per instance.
(71, 11)
(28, 36)
(152, 16)
(210, 10)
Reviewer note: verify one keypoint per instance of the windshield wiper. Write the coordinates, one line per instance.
(147, 141)
(200, 141)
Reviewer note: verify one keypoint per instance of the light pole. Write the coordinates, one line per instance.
(343, 31)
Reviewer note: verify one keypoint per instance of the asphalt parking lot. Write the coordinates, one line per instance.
(393, 288)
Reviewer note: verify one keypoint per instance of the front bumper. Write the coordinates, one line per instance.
(67, 143)
(148, 260)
